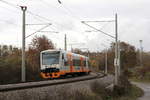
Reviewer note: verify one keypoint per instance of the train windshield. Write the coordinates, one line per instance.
(50, 58)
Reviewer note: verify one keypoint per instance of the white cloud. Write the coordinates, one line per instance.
(133, 20)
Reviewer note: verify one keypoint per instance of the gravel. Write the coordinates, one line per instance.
(41, 93)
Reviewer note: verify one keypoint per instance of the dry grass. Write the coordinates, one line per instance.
(96, 91)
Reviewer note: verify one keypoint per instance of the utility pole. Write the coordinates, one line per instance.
(106, 61)
(119, 59)
(65, 42)
(88, 54)
(116, 50)
(141, 53)
(0, 50)
(116, 61)
(23, 72)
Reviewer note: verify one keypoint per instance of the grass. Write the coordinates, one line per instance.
(140, 80)
(97, 92)
(134, 94)
(130, 92)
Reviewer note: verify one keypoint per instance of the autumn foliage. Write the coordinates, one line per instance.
(38, 44)
(10, 60)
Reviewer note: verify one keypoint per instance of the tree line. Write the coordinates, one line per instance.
(10, 60)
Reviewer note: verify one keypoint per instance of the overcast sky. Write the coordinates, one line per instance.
(133, 21)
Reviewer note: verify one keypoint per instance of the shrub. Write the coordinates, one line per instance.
(100, 90)
(124, 86)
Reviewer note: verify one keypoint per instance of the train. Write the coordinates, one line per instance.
(60, 63)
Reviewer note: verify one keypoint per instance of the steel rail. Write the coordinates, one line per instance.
(30, 85)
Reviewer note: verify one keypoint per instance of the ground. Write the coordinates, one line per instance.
(146, 88)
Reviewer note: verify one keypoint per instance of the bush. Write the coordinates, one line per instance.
(100, 90)
(75, 94)
(124, 86)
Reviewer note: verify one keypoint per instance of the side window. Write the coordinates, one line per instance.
(84, 63)
(65, 60)
(62, 56)
(65, 63)
(76, 62)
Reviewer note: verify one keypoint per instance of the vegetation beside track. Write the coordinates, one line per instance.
(125, 92)
(141, 74)
(10, 60)
(95, 90)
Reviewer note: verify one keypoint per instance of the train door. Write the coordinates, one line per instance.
(82, 64)
(70, 62)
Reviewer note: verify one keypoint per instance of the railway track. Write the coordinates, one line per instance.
(28, 85)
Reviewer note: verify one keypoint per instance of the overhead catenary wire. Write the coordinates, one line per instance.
(97, 29)
(10, 4)
(18, 7)
(39, 24)
(13, 5)
(48, 5)
(102, 21)
(38, 30)
(7, 22)
(68, 10)
(87, 21)
(44, 18)
(64, 8)
(106, 24)
(36, 16)
(10, 10)
(49, 31)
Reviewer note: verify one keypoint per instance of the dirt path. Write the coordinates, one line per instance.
(146, 89)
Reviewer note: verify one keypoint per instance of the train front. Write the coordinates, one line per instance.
(50, 63)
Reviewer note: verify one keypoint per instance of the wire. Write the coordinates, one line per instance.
(18, 7)
(48, 4)
(9, 9)
(69, 11)
(97, 29)
(38, 30)
(8, 22)
(102, 21)
(10, 4)
(49, 31)
(39, 24)
(38, 16)
(66, 9)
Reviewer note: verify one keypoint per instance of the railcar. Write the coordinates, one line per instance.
(58, 63)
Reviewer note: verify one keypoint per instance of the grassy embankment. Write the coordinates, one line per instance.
(140, 75)
(98, 92)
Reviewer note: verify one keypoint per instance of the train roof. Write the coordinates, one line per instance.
(63, 51)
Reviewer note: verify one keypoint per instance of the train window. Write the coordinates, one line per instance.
(89, 64)
(84, 63)
(76, 62)
(50, 58)
(66, 62)
(62, 56)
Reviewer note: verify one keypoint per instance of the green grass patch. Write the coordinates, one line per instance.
(140, 80)
(126, 91)
(134, 94)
